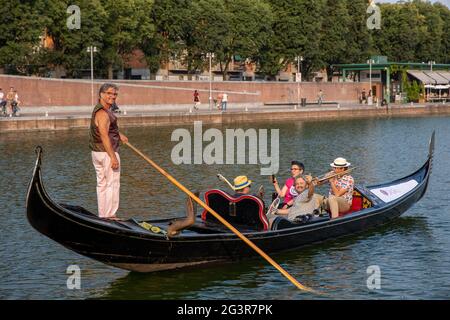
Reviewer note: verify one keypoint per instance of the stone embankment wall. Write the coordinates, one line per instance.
(45, 92)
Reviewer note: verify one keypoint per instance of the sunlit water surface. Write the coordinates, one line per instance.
(413, 252)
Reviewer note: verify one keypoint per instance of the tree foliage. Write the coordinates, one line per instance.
(270, 33)
(69, 46)
(20, 35)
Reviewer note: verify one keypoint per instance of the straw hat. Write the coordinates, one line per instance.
(340, 163)
(241, 182)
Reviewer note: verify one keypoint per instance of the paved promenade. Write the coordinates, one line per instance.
(67, 117)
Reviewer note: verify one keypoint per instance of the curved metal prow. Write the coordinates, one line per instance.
(38, 151)
(431, 150)
(36, 172)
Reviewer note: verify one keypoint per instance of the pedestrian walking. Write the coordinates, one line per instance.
(224, 101)
(196, 100)
(15, 104)
(219, 101)
(320, 97)
(2, 102)
(10, 96)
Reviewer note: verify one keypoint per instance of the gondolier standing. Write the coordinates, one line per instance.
(104, 144)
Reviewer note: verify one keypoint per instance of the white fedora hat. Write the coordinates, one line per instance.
(340, 163)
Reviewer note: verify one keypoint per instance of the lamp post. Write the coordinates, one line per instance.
(92, 49)
(431, 64)
(431, 69)
(370, 98)
(210, 55)
(298, 78)
(370, 61)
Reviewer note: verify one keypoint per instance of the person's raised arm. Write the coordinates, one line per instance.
(281, 192)
(310, 185)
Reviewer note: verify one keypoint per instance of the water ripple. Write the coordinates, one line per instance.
(413, 252)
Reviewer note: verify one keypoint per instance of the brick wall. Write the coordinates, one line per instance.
(64, 92)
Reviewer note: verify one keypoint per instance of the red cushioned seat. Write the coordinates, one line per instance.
(357, 204)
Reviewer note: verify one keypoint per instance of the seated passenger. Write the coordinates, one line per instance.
(305, 202)
(241, 186)
(340, 195)
(288, 191)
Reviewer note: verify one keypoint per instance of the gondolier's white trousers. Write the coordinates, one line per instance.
(108, 184)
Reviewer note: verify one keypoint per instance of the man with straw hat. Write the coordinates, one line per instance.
(340, 195)
(241, 186)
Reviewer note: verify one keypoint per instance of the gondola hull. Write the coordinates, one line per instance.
(128, 246)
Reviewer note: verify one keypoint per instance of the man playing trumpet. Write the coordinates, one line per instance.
(340, 195)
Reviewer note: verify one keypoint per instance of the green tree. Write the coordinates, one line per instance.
(248, 28)
(295, 26)
(170, 18)
(359, 38)
(334, 34)
(401, 30)
(430, 44)
(445, 38)
(127, 26)
(69, 45)
(21, 31)
(203, 32)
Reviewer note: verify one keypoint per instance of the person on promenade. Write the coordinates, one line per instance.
(196, 99)
(15, 104)
(288, 191)
(224, 101)
(340, 195)
(363, 96)
(305, 203)
(104, 144)
(10, 96)
(219, 101)
(2, 102)
(320, 97)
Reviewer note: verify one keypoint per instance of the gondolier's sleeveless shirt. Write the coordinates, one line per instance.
(95, 142)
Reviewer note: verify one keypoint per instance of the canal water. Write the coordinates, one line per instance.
(412, 253)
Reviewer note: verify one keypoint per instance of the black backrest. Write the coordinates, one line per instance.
(245, 210)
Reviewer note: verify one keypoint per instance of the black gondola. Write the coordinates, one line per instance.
(143, 247)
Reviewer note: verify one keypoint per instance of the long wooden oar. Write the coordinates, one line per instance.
(228, 225)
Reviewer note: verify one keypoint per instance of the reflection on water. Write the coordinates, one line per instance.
(408, 251)
(197, 283)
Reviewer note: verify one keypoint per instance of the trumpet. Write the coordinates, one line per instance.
(327, 176)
